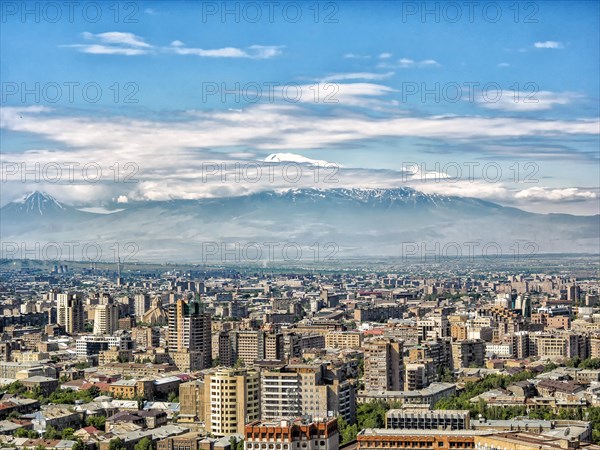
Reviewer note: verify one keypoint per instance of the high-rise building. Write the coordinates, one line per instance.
(106, 318)
(249, 346)
(61, 308)
(307, 390)
(69, 312)
(468, 353)
(233, 396)
(146, 337)
(141, 304)
(190, 340)
(419, 375)
(383, 365)
(192, 401)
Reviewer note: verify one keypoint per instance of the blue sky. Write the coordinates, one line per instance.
(375, 59)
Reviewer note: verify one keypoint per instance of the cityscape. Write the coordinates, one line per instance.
(329, 225)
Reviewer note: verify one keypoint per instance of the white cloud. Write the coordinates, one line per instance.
(113, 43)
(227, 52)
(97, 49)
(117, 38)
(545, 194)
(504, 64)
(100, 210)
(385, 55)
(129, 44)
(356, 56)
(197, 168)
(264, 51)
(366, 96)
(407, 63)
(276, 126)
(429, 63)
(528, 100)
(253, 52)
(549, 44)
(357, 76)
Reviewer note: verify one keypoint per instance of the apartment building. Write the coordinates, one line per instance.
(70, 313)
(425, 419)
(419, 375)
(190, 341)
(89, 345)
(141, 304)
(343, 339)
(292, 435)
(383, 365)
(468, 353)
(192, 401)
(250, 346)
(106, 318)
(233, 396)
(289, 391)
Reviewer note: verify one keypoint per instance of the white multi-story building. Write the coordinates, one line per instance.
(93, 344)
(106, 318)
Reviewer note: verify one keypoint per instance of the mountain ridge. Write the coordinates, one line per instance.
(359, 221)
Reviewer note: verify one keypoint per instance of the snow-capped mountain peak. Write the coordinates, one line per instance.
(38, 203)
(292, 157)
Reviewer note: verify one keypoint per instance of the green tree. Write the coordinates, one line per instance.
(573, 362)
(67, 433)
(232, 442)
(347, 432)
(21, 433)
(79, 445)
(96, 422)
(52, 433)
(372, 414)
(116, 444)
(173, 397)
(590, 363)
(144, 444)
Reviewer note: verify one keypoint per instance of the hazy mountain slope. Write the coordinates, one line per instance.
(358, 222)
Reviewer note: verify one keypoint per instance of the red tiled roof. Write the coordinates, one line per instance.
(375, 331)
